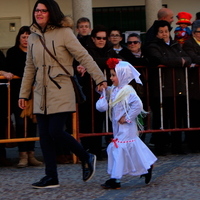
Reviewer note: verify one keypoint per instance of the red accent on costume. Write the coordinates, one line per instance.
(115, 142)
(112, 62)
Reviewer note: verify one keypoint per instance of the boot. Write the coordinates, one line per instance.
(23, 160)
(32, 160)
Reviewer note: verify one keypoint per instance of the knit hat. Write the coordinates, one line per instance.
(184, 18)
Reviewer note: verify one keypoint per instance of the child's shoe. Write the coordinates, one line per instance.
(148, 175)
(111, 184)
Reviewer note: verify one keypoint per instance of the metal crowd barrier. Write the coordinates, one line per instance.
(148, 128)
(75, 116)
(8, 139)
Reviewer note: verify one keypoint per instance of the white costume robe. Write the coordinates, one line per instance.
(127, 154)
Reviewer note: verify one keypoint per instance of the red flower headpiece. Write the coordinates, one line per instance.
(112, 62)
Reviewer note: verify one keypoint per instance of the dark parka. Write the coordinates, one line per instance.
(160, 53)
(41, 68)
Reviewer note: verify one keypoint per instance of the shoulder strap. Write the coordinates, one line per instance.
(53, 56)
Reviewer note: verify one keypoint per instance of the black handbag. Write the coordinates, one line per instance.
(80, 96)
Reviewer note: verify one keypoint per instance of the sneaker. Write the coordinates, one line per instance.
(111, 184)
(89, 167)
(46, 182)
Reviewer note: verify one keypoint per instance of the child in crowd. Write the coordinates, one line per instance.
(183, 32)
(127, 154)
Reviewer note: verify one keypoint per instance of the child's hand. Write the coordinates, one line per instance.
(122, 120)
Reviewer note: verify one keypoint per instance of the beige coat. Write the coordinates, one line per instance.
(41, 69)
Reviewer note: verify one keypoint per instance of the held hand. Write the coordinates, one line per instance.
(81, 70)
(101, 86)
(122, 120)
(22, 103)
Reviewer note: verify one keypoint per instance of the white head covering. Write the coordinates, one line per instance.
(126, 73)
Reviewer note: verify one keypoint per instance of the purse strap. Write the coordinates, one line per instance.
(53, 56)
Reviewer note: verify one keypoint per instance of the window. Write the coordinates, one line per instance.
(127, 18)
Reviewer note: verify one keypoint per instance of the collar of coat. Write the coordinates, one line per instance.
(161, 41)
(65, 22)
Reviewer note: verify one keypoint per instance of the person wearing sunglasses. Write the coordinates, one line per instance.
(100, 49)
(134, 44)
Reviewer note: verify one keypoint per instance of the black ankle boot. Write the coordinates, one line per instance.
(148, 175)
(111, 184)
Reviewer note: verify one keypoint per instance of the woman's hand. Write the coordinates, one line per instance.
(81, 70)
(101, 86)
(22, 103)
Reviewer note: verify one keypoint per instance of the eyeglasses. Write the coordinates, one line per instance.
(197, 31)
(43, 11)
(133, 42)
(101, 38)
(114, 35)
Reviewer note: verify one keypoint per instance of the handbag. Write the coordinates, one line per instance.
(80, 96)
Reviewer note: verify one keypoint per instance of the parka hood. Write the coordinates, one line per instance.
(67, 21)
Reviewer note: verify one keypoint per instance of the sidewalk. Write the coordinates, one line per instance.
(174, 177)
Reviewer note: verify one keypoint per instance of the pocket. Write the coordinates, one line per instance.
(55, 71)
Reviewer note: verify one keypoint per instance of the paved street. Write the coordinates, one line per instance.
(174, 177)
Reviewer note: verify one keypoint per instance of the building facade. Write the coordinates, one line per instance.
(127, 14)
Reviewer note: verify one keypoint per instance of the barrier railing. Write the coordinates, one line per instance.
(148, 128)
(75, 116)
(8, 139)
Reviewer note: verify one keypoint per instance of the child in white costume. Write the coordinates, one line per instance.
(127, 154)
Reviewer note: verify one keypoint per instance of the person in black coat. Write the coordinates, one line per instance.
(165, 14)
(164, 51)
(100, 49)
(192, 48)
(15, 63)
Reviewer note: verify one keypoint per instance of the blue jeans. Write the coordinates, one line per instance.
(52, 134)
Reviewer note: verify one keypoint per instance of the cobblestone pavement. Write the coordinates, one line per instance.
(174, 177)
